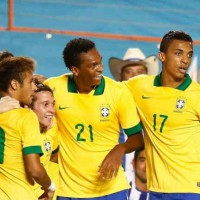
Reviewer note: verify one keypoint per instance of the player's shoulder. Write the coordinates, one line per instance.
(22, 115)
(115, 88)
(57, 79)
(26, 112)
(112, 83)
(140, 78)
(194, 84)
(193, 90)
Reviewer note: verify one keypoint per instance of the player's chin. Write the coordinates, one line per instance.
(46, 122)
(97, 80)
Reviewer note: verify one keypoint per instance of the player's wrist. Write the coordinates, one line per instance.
(52, 187)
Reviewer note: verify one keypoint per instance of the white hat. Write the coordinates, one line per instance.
(133, 56)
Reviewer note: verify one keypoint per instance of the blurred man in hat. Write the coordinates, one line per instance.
(133, 63)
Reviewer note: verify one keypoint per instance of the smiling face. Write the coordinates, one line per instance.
(176, 60)
(43, 106)
(89, 73)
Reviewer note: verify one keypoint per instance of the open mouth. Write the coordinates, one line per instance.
(98, 76)
(49, 116)
(182, 70)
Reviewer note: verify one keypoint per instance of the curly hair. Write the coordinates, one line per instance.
(73, 49)
(5, 54)
(14, 68)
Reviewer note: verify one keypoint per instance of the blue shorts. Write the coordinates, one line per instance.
(173, 196)
(122, 195)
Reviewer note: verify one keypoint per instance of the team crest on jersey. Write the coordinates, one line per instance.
(180, 104)
(104, 112)
(47, 145)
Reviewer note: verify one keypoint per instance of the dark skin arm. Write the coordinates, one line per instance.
(111, 163)
(36, 171)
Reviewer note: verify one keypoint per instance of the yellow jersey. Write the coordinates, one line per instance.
(19, 136)
(49, 145)
(89, 127)
(171, 121)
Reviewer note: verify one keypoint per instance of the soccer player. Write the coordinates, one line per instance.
(20, 141)
(90, 108)
(170, 112)
(43, 105)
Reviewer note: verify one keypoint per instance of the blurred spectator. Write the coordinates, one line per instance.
(133, 63)
(138, 182)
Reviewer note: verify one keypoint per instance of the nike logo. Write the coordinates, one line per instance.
(145, 97)
(62, 108)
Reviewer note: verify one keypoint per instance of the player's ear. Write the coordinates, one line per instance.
(14, 84)
(161, 56)
(75, 70)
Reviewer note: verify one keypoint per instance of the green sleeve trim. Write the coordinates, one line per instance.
(133, 130)
(56, 150)
(33, 150)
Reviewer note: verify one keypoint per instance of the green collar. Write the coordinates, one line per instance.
(73, 89)
(182, 86)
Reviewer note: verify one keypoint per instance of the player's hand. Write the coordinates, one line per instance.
(47, 195)
(8, 103)
(39, 77)
(111, 163)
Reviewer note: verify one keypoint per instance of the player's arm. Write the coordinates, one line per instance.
(36, 172)
(130, 122)
(7, 103)
(31, 141)
(110, 165)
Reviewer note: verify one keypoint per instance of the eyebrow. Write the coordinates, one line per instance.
(183, 50)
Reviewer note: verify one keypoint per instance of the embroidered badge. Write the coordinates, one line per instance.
(104, 112)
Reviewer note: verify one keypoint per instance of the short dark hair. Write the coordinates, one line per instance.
(171, 36)
(5, 54)
(73, 49)
(14, 68)
(137, 152)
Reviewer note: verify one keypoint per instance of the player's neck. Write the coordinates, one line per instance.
(170, 81)
(140, 185)
(85, 89)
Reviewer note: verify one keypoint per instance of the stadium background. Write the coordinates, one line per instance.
(114, 25)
